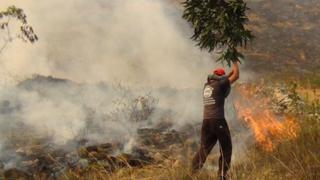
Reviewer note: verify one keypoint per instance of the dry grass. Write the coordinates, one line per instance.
(297, 159)
(294, 159)
(310, 95)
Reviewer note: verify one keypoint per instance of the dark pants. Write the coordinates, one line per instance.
(213, 130)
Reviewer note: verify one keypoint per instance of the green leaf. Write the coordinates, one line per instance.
(219, 23)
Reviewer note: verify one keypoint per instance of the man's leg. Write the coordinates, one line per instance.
(224, 138)
(208, 140)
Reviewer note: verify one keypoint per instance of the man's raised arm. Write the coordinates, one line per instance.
(235, 73)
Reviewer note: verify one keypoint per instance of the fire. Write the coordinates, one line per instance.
(269, 128)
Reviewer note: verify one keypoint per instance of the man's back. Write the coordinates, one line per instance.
(214, 94)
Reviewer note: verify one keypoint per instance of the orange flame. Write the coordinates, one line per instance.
(269, 129)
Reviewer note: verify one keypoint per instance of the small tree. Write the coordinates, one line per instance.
(219, 24)
(25, 33)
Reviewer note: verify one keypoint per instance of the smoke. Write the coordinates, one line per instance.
(138, 42)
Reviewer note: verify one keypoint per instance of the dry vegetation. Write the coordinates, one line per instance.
(286, 37)
(165, 154)
(292, 159)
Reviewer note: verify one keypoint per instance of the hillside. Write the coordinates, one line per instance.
(287, 35)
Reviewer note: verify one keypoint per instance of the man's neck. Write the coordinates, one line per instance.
(215, 77)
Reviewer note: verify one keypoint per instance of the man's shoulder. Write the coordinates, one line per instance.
(225, 80)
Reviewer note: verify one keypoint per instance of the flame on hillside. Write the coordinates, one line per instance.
(269, 128)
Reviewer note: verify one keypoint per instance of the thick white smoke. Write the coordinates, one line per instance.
(139, 42)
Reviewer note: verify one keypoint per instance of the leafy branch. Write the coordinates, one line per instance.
(26, 32)
(219, 24)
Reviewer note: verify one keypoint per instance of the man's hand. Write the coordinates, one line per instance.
(235, 73)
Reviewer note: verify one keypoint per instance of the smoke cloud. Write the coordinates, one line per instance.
(138, 42)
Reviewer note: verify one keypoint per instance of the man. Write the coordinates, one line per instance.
(214, 126)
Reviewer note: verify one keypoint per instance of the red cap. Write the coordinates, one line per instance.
(219, 72)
